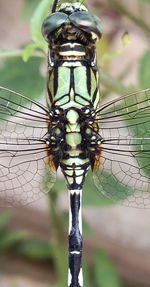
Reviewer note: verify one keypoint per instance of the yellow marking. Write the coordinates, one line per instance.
(72, 94)
(69, 172)
(48, 100)
(74, 152)
(88, 131)
(93, 138)
(70, 180)
(71, 53)
(94, 36)
(71, 45)
(58, 131)
(72, 104)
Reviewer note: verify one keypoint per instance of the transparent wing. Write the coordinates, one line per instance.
(23, 129)
(124, 125)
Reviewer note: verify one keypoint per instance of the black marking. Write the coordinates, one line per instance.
(94, 95)
(75, 238)
(60, 98)
(75, 241)
(55, 71)
(70, 47)
(84, 167)
(88, 79)
(72, 85)
(49, 94)
(75, 267)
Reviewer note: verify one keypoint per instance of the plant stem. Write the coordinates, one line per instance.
(114, 85)
(18, 53)
(126, 12)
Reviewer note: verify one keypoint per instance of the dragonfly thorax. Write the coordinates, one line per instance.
(73, 142)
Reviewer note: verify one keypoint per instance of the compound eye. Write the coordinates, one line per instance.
(87, 22)
(52, 22)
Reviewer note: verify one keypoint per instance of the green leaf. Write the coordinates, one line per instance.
(91, 195)
(36, 249)
(36, 22)
(23, 77)
(110, 185)
(4, 218)
(60, 184)
(49, 179)
(9, 238)
(148, 1)
(106, 274)
(141, 132)
(28, 51)
(144, 70)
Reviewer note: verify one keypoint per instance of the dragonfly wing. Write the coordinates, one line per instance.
(23, 149)
(124, 125)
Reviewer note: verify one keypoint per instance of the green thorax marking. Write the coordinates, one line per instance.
(73, 86)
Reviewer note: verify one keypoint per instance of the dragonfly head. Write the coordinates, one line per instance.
(79, 20)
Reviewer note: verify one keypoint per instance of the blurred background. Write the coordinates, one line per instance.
(116, 238)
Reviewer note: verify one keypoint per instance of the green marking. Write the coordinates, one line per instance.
(63, 84)
(93, 83)
(81, 101)
(72, 116)
(58, 131)
(77, 160)
(81, 85)
(73, 139)
(72, 125)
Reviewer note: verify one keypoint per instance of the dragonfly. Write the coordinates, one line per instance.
(75, 131)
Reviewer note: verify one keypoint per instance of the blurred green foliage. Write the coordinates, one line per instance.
(24, 75)
(106, 274)
(144, 70)
(9, 238)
